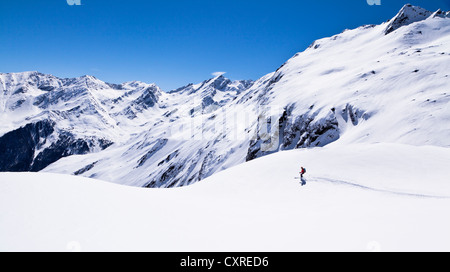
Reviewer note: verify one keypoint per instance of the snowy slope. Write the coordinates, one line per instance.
(363, 197)
(385, 83)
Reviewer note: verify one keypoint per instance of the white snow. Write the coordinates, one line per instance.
(386, 197)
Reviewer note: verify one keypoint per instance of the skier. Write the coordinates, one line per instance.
(302, 172)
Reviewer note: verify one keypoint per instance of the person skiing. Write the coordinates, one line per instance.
(302, 172)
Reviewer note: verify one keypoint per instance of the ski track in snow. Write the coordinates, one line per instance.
(363, 187)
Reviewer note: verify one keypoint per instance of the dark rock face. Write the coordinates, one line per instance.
(297, 132)
(306, 130)
(407, 15)
(85, 169)
(169, 173)
(221, 83)
(159, 144)
(18, 148)
(65, 146)
(147, 100)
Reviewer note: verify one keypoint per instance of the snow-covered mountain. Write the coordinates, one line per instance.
(377, 83)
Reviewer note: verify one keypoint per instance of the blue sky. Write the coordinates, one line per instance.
(172, 43)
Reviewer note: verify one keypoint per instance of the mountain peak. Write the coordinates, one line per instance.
(224, 84)
(25, 74)
(219, 82)
(407, 15)
(442, 14)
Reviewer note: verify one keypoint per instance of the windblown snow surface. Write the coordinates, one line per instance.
(387, 197)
